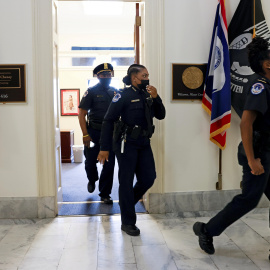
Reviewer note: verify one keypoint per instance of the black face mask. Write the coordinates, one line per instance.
(105, 82)
(143, 84)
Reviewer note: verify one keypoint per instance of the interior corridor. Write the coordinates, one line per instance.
(78, 201)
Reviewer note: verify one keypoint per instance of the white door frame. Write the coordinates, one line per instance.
(154, 54)
(44, 98)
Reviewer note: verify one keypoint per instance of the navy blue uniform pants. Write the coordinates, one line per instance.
(139, 161)
(106, 176)
(253, 188)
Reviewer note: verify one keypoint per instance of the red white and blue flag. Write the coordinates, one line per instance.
(217, 90)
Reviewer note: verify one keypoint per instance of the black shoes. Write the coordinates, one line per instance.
(205, 240)
(91, 187)
(132, 230)
(106, 200)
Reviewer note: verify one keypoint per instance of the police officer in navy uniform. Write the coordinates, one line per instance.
(94, 105)
(134, 107)
(253, 151)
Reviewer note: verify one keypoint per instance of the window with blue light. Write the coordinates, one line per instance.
(83, 61)
(122, 61)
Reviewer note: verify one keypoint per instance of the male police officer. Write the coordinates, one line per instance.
(95, 103)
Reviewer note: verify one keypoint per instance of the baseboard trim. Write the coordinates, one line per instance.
(198, 201)
(27, 207)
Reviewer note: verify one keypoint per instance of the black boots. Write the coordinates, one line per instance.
(205, 240)
(132, 230)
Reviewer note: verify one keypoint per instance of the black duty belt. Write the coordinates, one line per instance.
(139, 132)
(95, 125)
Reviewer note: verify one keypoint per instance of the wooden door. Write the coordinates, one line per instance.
(137, 34)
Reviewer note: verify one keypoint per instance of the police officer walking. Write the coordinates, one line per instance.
(253, 151)
(136, 106)
(94, 104)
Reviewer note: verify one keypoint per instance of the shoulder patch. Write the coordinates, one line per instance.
(86, 93)
(116, 97)
(257, 88)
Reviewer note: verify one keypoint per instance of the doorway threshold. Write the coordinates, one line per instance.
(94, 208)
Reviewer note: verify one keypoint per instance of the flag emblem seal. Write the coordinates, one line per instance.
(218, 57)
(257, 88)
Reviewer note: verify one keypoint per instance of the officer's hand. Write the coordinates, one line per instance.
(103, 156)
(152, 91)
(86, 141)
(256, 166)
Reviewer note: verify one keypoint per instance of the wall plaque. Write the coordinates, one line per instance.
(12, 83)
(188, 81)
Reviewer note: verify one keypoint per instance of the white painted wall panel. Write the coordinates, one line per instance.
(17, 121)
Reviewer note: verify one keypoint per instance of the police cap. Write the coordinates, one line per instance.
(103, 68)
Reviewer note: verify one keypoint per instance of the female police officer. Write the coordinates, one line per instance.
(135, 106)
(253, 151)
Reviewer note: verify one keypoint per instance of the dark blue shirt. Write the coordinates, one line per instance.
(258, 99)
(129, 104)
(97, 99)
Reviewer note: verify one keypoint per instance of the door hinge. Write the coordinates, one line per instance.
(138, 20)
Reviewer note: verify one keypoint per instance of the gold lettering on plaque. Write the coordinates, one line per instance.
(192, 77)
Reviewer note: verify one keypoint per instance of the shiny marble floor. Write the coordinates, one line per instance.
(97, 243)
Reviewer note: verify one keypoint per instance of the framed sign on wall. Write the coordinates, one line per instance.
(188, 81)
(12, 83)
(70, 99)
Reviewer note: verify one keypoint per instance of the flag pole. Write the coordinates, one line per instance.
(254, 22)
(219, 183)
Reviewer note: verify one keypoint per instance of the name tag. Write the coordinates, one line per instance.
(135, 100)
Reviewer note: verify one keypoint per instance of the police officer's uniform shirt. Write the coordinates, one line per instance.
(258, 99)
(129, 104)
(97, 99)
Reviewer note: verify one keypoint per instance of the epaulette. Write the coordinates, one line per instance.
(262, 80)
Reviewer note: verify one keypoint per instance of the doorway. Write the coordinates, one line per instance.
(91, 33)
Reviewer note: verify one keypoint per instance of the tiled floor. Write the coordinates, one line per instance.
(166, 242)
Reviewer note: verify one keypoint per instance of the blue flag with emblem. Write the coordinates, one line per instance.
(217, 96)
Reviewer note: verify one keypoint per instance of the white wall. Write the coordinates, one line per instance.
(18, 175)
(191, 160)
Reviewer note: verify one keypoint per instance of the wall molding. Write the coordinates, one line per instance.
(43, 93)
(155, 63)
